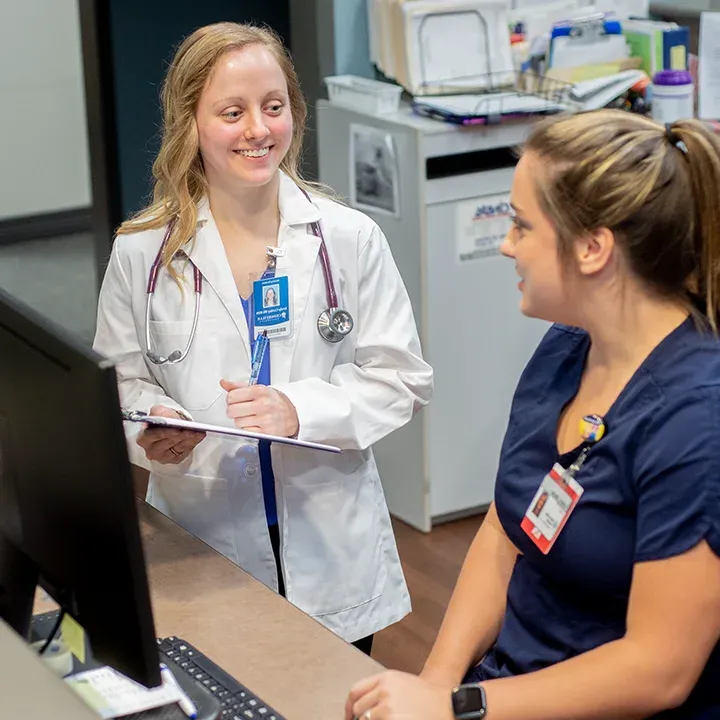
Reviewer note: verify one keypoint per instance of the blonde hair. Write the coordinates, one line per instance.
(179, 177)
(657, 188)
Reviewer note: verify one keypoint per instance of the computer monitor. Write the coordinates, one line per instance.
(68, 519)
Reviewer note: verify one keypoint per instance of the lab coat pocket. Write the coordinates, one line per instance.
(194, 382)
(334, 547)
(199, 504)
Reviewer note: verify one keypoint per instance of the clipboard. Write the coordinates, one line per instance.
(178, 424)
(590, 40)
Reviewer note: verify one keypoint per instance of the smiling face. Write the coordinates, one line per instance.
(243, 118)
(532, 243)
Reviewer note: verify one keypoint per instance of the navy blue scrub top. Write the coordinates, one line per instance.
(652, 491)
(266, 469)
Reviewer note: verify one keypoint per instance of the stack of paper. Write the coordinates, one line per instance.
(599, 92)
(442, 46)
(112, 695)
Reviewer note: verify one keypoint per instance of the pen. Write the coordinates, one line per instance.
(185, 703)
(258, 355)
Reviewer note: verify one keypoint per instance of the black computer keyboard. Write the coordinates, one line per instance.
(238, 703)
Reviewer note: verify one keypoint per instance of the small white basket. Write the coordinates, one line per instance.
(362, 93)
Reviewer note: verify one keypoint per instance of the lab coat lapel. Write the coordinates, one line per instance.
(208, 254)
(300, 263)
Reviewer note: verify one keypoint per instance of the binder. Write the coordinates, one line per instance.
(661, 45)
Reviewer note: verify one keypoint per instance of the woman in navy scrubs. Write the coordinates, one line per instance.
(603, 600)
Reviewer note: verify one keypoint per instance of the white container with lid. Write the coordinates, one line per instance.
(673, 96)
(361, 93)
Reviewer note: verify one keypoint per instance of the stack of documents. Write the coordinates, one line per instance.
(442, 46)
(599, 92)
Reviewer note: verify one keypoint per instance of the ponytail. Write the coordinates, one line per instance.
(702, 154)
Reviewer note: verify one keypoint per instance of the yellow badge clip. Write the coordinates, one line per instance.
(592, 428)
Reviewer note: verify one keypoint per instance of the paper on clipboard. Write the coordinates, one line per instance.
(178, 424)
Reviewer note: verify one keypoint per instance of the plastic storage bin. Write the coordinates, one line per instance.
(361, 93)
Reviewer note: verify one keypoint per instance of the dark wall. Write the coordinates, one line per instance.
(143, 36)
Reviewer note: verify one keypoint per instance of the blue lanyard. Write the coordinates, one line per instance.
(250, 315)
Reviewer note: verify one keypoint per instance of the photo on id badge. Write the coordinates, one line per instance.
(271, 301)
(550, 508)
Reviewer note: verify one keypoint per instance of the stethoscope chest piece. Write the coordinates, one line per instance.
(335, 324)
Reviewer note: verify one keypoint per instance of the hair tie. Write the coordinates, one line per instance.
(674, 139)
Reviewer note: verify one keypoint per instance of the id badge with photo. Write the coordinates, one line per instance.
(551, 507)
(272, 311)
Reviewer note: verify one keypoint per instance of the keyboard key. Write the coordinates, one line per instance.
(236, 701)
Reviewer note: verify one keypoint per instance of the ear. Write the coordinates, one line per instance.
(594, 251)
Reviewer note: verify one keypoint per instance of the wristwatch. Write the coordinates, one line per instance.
(469, 702)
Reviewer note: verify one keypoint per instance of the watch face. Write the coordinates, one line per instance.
(469, 701)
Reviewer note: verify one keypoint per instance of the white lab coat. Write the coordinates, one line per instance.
(339, 557)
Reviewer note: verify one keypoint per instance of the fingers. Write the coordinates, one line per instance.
(163, 411)
(229, 385)
(364, 690)
(189, 442)
(161, 452)
(150, 436)
(169, 446)
(369, 701)
(246, 393)
(245, 403)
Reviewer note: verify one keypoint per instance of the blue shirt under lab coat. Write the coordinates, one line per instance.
(266, 469)
(651, 491)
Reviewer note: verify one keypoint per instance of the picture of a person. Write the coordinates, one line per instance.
(540, 504)
(270, 299)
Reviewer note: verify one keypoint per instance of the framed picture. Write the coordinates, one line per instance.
(373, 171)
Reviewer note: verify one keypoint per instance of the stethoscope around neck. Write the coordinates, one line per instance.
(333, 324)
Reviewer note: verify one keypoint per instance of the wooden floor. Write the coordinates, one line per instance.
(431, 563)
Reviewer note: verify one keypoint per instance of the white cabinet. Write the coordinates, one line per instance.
(464, 295)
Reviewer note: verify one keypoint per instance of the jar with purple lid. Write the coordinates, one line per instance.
(673, 96)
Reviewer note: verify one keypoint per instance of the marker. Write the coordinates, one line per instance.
(185, 703)
(258, 356)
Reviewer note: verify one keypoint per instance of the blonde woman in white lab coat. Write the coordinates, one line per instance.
(310, 524)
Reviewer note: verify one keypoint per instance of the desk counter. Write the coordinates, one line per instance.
(291, 661)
